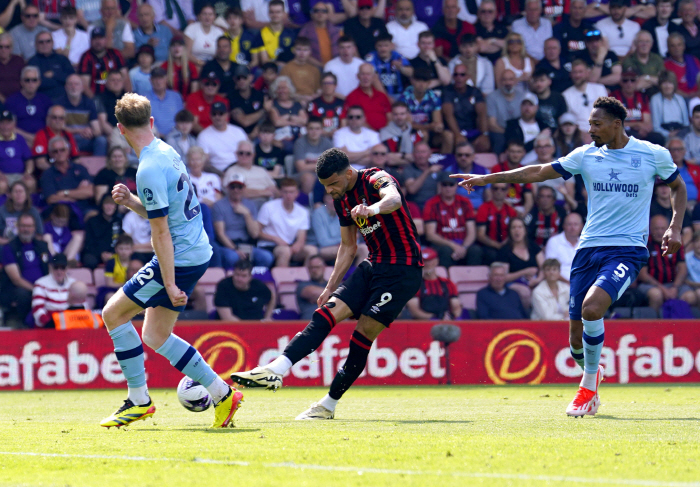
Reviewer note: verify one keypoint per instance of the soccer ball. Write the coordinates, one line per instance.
(193, 395)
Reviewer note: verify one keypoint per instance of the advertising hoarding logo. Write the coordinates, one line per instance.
(515, 356)
(226, 348)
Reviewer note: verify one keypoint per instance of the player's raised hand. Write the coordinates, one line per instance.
(361, 211)
(121, 194)
(176, 295)
(671, 241)
(470, 180)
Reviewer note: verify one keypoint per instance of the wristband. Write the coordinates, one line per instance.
(373, 210)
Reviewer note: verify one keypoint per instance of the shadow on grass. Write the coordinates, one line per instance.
(606, 416)
(204, 429)
(396, 421)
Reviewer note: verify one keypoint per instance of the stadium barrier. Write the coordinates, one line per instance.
(488, 352)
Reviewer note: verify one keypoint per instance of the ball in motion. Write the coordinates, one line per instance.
(193, 395)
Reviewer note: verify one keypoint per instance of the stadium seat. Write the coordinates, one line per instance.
(93, 164)
(327, 273)
(99, 277)
(287, 278)
(285, 314)
(621, 313)
(81, 274)
(486, 159)
(289, 302)
(468, 300)
(469, 278)
(194, 314)
(441, 272)
(211, 278)
(644, 313)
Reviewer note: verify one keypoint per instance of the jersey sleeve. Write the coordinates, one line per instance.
(666, 169)
(152, 188)
(381, 179)
(570, 164)
(343, 215)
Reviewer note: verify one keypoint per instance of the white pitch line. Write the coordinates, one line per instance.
(361, 471)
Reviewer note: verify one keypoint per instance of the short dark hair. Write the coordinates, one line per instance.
(184, 116)
(612, 107)
(356, 107)
(539, 72)
(467, 39)
(314, 119)
(422, 73)
(696, 108)
(267, 127)
(398, 104)
(426, 33)
(345, 38)
(124, 239)
(244, 264)
(329, 74)
(270, 66)
(512, 142)
(542, 187)
(302, 41)
(332, 161)
(278, 3)
(233, 11)
(384, 37)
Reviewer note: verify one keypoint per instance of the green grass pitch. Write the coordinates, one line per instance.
(391, 436)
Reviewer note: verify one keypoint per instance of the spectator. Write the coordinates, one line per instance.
(182, 73)
(81, 118)
(97, 62)
(399, 136)
(514, 58)
(545, 219)
(664, 276)
(661, 205)
(102, 234)
(527, 127)
(603, 63)
(405, 29)
(688, 27)
(284, 226)
(618, 29)
(25, 260)
(307, 149)
(366, 27)
(269, 156)
(55, 125)
(117, 171)
(479, 69)
(165, 102)
(490, 34)
(16, 161)
(684, 65)
(241, 297)
(421, 176)
(76, 315)
(449, 30)
(201, 103)
(257, 14)
(10, 68)
(150, 33)
(568, 136)
(533, 28)
(180, 138)
(140, 75)
(287, 114)
(220, 139)
(356, 140)
(429, 62)
(638, 121)
(689, 172)
(544, 149)
(322, 34)
(106, 102)
(692, 261)
(496, 301)
(659, 26)
(501, 106)
(572, 30)
(29, 106)
(208, 184)
(328, 107)
(519, 194)
(259, 185)
(54, 67)
(24, 34)
(449, 225)
(562, 246)
(304, 75)
(464, 156)
(649, 65)
(326, 230)
(390, 66)
(116, 266)
(425, 106)
(345, 66)
(551, 104)
(550, 298)
(201, 37)
(118, 33)
(68, 40)
(61, 238)
(580, 97)
(17, 203)
(139, 229)
(277, 39)
(236, 227)
(222, 65)
(374, 103)
(50, 293)
(248, 104)
(692, 139)
(556, 66)
(669, 112)
(309, 291)
(437, 298)
(525, 258)
(492, 220)
(175, 16)
(246, 45)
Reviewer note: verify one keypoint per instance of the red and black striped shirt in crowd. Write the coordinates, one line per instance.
(331, 113)
(516, 191)
(540, 226)
(663, 268)
(394, 143)
(451, 219)
(496, 220)
(99, 67)
(391, 238)
(434, 295)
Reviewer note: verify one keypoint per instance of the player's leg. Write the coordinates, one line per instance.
(576, 341)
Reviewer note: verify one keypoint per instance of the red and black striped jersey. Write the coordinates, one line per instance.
(99, 67)
(394, 143)
(663, 268)
(434, 295)
(516, 191)
(330, 113)
(391, 238)
(495, 220)
(540, 226)
(451, 219)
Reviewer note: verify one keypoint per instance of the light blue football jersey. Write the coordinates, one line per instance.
(620, 184)
(164, 188)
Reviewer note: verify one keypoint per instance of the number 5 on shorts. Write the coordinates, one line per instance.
(621, 270)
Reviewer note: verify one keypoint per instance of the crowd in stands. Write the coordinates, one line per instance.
(251, 92)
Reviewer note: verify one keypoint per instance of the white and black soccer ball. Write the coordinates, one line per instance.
(193, 395)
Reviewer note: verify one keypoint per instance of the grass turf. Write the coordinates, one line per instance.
(511, 435)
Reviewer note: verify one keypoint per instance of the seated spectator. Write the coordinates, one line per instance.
(304, 75)
(429, 61)
(165, 102)
(568, 136)
(201, 103)
(525, 129)
(220, 138)
(246, 45)
(259, 185)
(533, 29)
(322, 35)
(374, 103)
(464, 155)
(464, 111)
(684, 65)
(102, 232)
(55, 125)
(603, 63)
(405, 29)
(449, 30)
(116, 266)
(555, 64)
(307, 149)
(519, 194)
(277, 39)
(492, 220)
(399, 136)
(176, 17)
(24, 34)
(119, 35)
(325, 227)
(664, 276)
(689, 172)
(61, 238)
(106, 102)
(425, 106)
(81, 118)
(309, 291)
(562, 246)
(183, 74)
(180, 138)
(17, 203)
(54, 67)
(571, 31)
(241, 297)
(661, 205)
(286, 114)
(140, 75)
(248, 104)
(692, 261)
(545, 219)
(421, 176)
(50, 293)
(366, 27)
(525, 258)
(669, 112)
(514, 58)
(16, 161)
(496, 301)
(150, 33)
(638, 121)
(345, 67)
(68, 40)
(618, 29)
(688, 27)
(267, 155)
(692, 139)
(581, 96)
(285, 224)
(116, 171)
(437, 298)
(77, 315)
(502, 105)
(550, 298)
(649, 65)
(390, 66)
(479, 69)
(236, 228)
(544, 149)
(449, 225)
(10, 68)
(29, 105)
(201, 36)
(97, 62)
(208, 184)
(25, 260)
(139, 229)
(222, 65)
(356, 140)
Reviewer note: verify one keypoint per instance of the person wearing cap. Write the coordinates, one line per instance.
(525, 128)
(479, 69)
(76, 315)
(117, 29)
(25, 33)
(581, 96)
(438, 298)
(688, 27)
(201, 36)
(248, 104)
(54, 67)
(449, 30)
(81, 117)
(246, 45)
(638, 121)
(201, 103)
(153, 34)
(345, 66)
(221, 138)
(603, 62)
(567, 136)
(571, 31)
(28, 104)
(50, 293)
(55, 125)
(464, 111)
(97, 62)
(618, 29)
(659, 26)
(165, 102)
(533, 28)
(16, 161)
(428, 60)
(68, 40)
(366, 27)
(405, 29)
(222, 65)
(643, 61)
(140, 75)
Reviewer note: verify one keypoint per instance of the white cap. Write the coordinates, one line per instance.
(532, 98)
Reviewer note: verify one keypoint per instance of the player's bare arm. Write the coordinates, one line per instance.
(163, 247)
(523, 175)
(679, 196)
(390, 202)
(345, 258)
(122, 196)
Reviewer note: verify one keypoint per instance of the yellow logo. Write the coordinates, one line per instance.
(519, 354)
(223, 345)
(361, 221)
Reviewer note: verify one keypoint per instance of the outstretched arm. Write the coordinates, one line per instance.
(523, 175)
(671, 242)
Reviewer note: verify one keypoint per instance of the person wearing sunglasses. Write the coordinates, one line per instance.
(580, 97)
(54, 67)
(366, 27)
(55, 125)
(356, 140)
(638, 122)
(322, 34)
(464, 111)
(200, 103)
(617, 28)
(604, 63)
(29, 106)
(25, 33)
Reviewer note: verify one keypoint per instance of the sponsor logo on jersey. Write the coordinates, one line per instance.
(382, 181)
(148, 194)
(367, 230)
(614, 175)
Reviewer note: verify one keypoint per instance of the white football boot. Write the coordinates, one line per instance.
(316, 411)
(258, 377)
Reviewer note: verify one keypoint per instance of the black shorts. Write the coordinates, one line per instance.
(380, 291)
